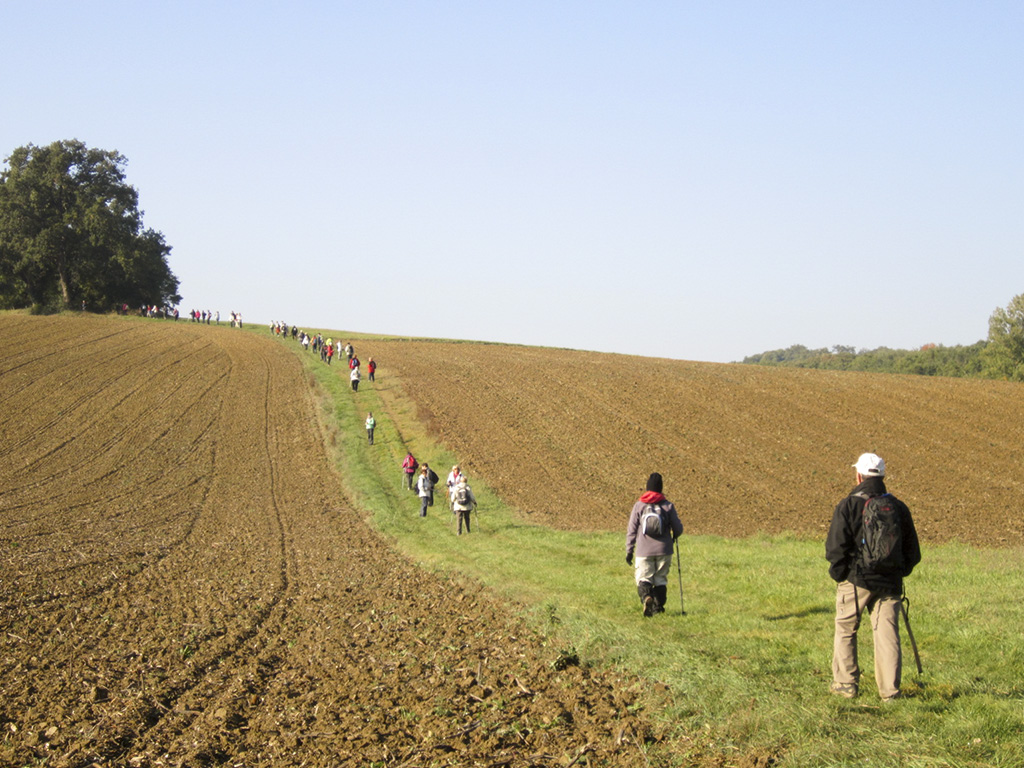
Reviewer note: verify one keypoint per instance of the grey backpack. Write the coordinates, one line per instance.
(652, 521)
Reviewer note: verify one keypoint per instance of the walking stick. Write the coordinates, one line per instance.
(679, 573)
(904, 602)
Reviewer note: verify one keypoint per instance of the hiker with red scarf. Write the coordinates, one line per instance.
(653, 527)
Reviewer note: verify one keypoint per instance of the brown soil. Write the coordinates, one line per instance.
(570, 438)
(182, 584)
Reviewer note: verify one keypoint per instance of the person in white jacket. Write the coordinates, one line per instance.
(425, 489)
(450, 483)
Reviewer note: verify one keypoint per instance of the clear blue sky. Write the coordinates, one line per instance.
(690, 180)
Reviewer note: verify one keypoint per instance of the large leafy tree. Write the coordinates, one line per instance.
(71, 232)
(1003, 356)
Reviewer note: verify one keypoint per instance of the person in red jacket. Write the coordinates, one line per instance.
(409, 467)
(653, 527)
(371, 368)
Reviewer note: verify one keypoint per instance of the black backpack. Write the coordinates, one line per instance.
(652, 521)
(881, 548)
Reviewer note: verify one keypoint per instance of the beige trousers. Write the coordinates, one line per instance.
(653, 570)
(851, 601)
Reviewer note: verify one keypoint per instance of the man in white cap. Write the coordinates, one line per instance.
(871, 546)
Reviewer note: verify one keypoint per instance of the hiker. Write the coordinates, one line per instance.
(370, 424)
(450, 483)
(463, 502)
(424, 489)
(409, 467)
(371, 369)
(869, 580)
(354, 377)
(653, 527)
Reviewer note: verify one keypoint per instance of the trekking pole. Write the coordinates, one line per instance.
(679, 573)
(904, 602)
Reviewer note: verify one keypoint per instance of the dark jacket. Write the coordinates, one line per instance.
(846, 534)
(647, 546)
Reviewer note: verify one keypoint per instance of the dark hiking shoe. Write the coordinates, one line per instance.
(846, 690)
(649, 606)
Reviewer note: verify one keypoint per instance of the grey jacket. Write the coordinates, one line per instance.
(641, 545)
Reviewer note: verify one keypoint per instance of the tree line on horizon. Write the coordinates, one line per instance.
(1000, 356)
(72, 237)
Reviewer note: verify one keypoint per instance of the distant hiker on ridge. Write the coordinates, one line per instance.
(653, 527)
(872, 544)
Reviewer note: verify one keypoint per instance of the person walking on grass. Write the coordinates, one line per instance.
(653, 527)
(871, 546)
(450, 483)
(371, 369)
(409, 467)
(354, 378)
(463, 502)
(424, 489)
(371, 423)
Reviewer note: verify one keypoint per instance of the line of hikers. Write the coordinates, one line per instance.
(422, 480)
(328, 349)
(872, 545)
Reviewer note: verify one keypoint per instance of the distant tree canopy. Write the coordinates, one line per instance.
(71, 233)
(1001, 356)
(1004, 353)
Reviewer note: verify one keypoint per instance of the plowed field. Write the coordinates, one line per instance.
(181, 582)
(570, 438)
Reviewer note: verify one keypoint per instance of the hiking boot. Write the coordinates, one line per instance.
(890, 699)
(660, 595)
(650, 607)
(846, 690)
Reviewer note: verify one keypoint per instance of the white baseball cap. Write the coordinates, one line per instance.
(870, 464)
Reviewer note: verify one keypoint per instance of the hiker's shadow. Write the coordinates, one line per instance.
(800, 614)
